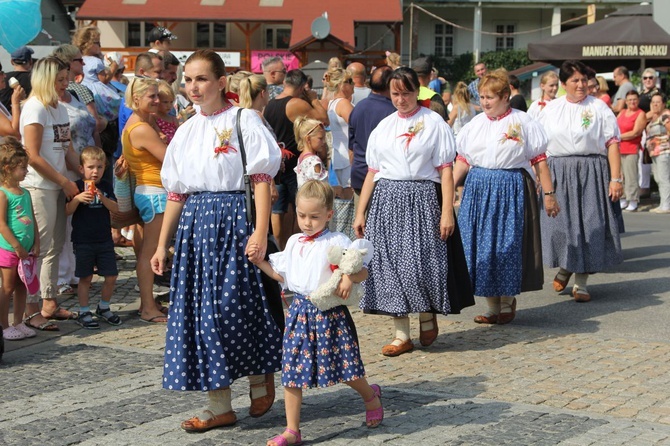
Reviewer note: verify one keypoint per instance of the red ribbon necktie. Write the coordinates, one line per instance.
(310, 238)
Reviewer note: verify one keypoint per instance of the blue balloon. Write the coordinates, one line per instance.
(20, 22)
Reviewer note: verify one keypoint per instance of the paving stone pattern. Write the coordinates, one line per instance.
(507, 385)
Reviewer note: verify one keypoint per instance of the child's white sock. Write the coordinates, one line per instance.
(426, 321)
(219, 403)
(506, 304)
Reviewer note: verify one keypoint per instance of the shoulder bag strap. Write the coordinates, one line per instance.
(251, 211)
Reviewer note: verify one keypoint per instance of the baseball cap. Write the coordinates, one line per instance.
(422, 65)
(22, 55)
(27, 270)
(160, 33)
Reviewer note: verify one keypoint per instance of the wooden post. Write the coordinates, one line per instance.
(591, 10)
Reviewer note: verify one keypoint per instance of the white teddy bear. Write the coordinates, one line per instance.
(348, 261)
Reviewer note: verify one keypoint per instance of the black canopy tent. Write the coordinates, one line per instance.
(628, 37)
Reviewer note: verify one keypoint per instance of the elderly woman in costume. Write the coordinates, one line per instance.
(498, 215)
(583, 156)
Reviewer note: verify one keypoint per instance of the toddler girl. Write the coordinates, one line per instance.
(320, 348)
(166, 122)
(310, 135)
(18, 236)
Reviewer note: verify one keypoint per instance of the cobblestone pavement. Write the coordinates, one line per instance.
(477, 385)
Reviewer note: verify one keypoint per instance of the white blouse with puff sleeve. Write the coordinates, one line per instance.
(304, 265)
(583, 128)
(191, 163)
(511, 141)
(431, 148)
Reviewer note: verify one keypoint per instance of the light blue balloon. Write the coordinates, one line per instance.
(20, 22)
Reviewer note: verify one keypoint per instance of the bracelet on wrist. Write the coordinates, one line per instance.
(553, 192)
(616, 180)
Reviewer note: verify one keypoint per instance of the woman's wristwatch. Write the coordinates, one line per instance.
(553, 192)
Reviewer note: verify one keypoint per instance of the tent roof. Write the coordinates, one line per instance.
(621, 38)
(342, 14)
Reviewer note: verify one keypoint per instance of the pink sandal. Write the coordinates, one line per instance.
(375, 414)
(281, 441)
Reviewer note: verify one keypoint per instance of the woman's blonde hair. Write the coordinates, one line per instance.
(393, 60)
(302, 128)
(496, 82)
(12, 155)
(165, 88)
(43, 79)
(336, 78)
(250, 88)
(461, 96)
(66, 52)
(84, 37)
(334, 63)
(547, 76)
(316, 190)
(602, 83)
(233, 81)
(138, 86)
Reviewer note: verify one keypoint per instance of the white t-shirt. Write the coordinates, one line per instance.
(55, 139)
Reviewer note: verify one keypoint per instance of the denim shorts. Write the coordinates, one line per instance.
(150, 204)
(88, 255)
(286, 190)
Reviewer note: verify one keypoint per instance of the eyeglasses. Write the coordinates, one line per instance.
(278, 71)
(647, 78)
(78, 59)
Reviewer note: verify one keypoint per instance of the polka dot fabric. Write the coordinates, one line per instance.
(219, 326)
(320, 347)
(584, 237)
(408, 272)
(491, 219)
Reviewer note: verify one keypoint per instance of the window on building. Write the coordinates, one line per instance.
(211, 35)
(505, 42)
(137, 32)
(444, 40)
(277, 37)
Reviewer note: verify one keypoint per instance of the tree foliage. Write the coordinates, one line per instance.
(461, 68)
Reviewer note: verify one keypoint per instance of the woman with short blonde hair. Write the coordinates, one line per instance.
(45, 130)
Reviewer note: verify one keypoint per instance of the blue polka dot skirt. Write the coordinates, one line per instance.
(408, 271)
(219, 326)
(320, 347)
(491, 219)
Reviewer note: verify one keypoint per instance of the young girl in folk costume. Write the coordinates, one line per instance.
(19, 237)
(302, 267)
(166, 122)
(311, 138)
(549, 87)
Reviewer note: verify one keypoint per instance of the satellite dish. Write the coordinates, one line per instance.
(320, 28)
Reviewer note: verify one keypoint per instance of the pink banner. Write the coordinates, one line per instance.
(257, 57)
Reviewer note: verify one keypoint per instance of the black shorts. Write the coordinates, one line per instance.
(90, 255)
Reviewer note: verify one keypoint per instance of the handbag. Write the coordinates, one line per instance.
(272, 288)
(124, 188)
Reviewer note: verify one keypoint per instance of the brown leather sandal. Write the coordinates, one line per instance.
(260, 406)
(397, 350)
(195, 424)
(427, 337)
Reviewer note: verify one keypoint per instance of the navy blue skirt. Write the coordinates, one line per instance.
(491, 219)
(219, 326)
(320, 347)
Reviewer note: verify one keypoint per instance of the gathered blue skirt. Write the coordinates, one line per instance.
(320, 347)
(219, 326)
(491, 219)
